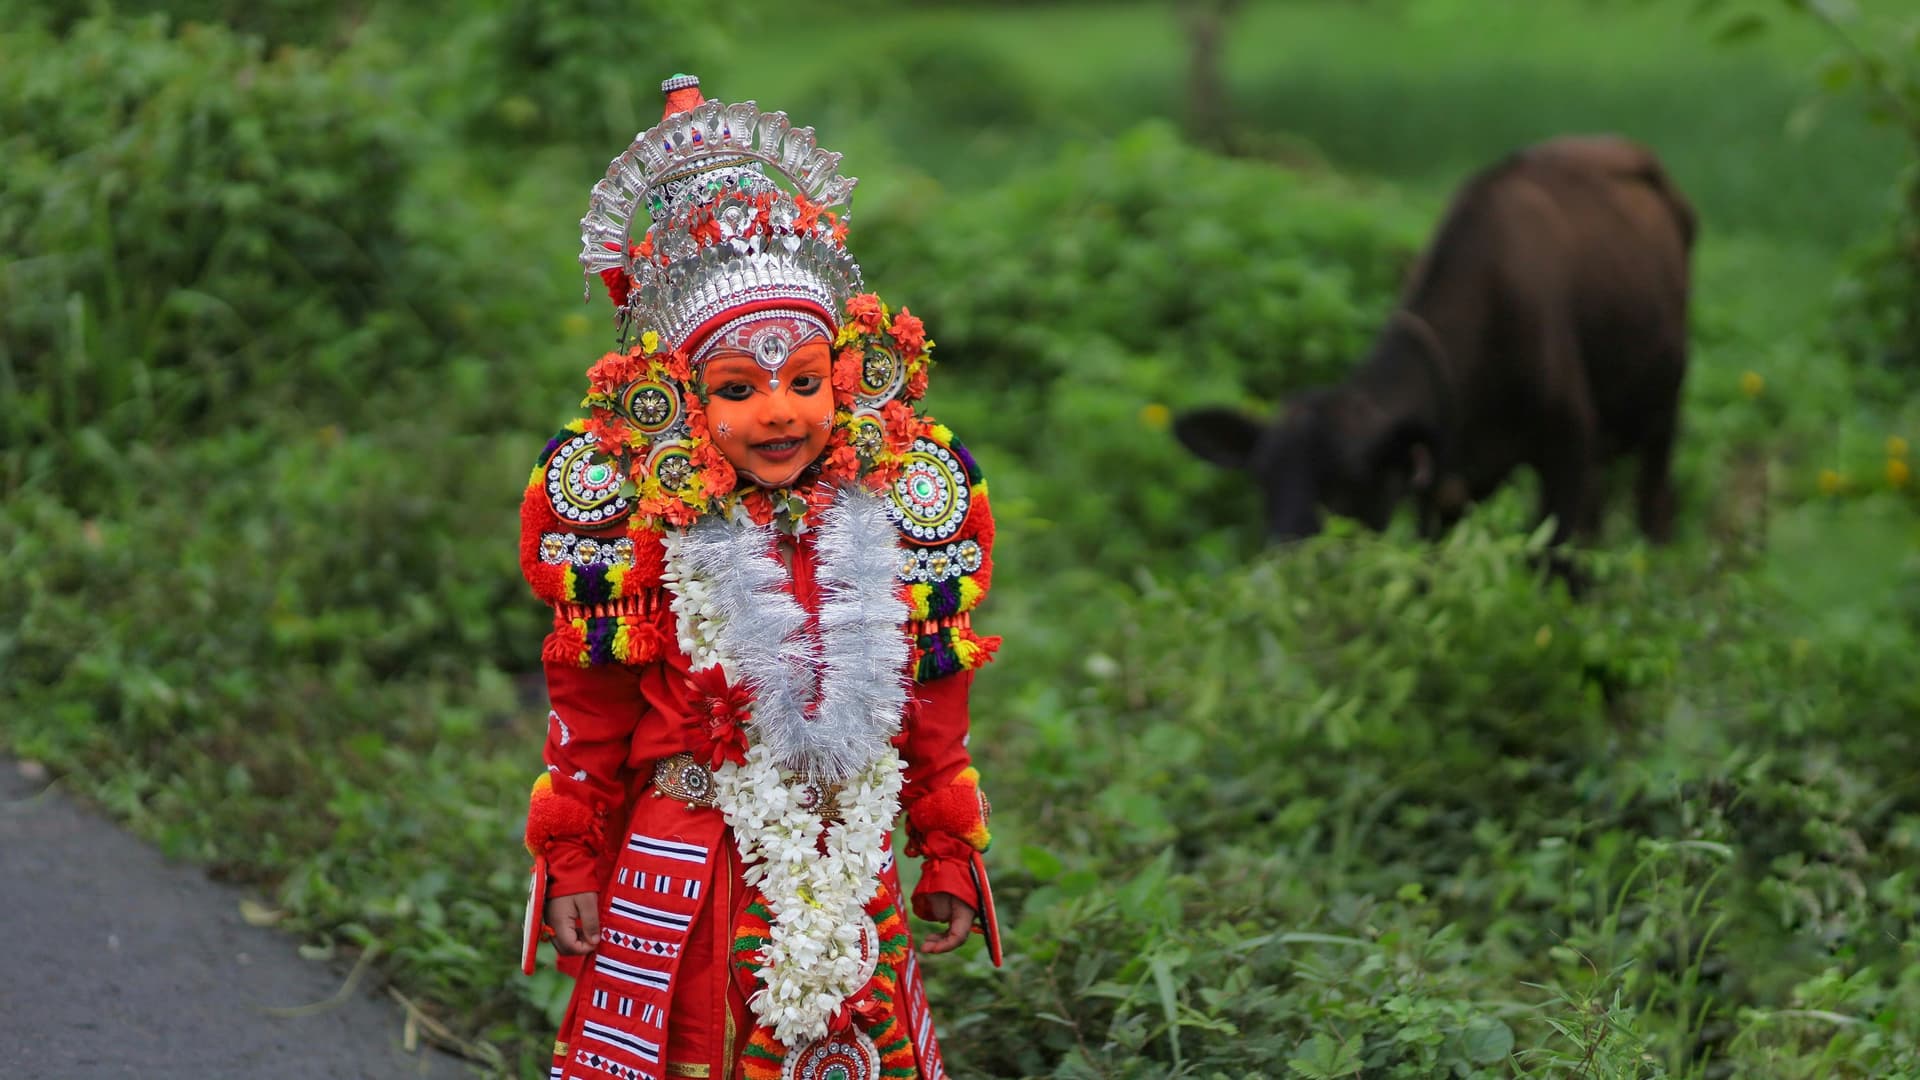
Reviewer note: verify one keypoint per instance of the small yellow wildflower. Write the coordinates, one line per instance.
(1898, 473)
(1896, 446)
(1156, 416)
(1831, 482)
(1753, 384)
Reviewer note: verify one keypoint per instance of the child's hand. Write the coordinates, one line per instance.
(576, 922)
(956, 913)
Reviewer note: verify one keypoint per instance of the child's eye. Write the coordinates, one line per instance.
(807, 384)
(736, 391)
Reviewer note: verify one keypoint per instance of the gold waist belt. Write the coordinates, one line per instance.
(683, 779)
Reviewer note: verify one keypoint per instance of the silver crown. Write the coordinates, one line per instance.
(711, 161)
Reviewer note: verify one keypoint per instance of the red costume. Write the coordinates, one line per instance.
(747, 685)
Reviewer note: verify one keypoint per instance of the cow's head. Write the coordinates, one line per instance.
(1332, 448)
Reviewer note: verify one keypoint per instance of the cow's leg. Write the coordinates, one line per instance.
(1653, 483)
(1569, 484)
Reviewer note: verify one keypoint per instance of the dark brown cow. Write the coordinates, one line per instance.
(1546, 325)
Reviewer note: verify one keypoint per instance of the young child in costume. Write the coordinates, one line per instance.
(762, 564)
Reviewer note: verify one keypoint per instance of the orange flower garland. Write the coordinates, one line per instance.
(880, 367)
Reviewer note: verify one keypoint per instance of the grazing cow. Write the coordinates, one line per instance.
(1545, 325)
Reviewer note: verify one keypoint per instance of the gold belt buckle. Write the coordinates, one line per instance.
(684, 779)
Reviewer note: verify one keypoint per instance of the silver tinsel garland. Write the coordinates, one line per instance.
(855, 667)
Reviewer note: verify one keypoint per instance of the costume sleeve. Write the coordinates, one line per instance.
(610, 705)
(950, 566)
(594, 713)
(946, 812)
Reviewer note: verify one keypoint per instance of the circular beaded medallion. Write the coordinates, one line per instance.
(882, 374)
(866, 433)
(930, 498)
(672, 465)
(583, 484)
(653, 407)
(851, 1056)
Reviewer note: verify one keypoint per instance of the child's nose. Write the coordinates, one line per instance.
(779, 411)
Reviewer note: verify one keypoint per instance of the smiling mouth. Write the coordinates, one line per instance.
(779, 448)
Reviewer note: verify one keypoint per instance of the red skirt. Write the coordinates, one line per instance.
(665, 994)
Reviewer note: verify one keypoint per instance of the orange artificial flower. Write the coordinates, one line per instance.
(898, 417)
(615, 370)
(846, 368)
(716, 468)
(910, 332)
(809, 215)
(843, 461)
(759, 506)
(865, 311)
(608, 431)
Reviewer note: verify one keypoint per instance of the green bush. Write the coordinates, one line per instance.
(1084, 302)
(1366, 805)
(197, 233)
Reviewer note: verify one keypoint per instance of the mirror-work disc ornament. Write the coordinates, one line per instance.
(672, 465)
(930, 498)
(583, 484)
(652, 406)
(882, 375)
(851, 1056)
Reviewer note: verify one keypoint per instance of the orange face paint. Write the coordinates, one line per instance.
(770, 425)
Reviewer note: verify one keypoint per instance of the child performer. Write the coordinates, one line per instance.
(762, 564)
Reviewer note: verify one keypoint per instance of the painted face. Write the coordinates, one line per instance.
(770, 425)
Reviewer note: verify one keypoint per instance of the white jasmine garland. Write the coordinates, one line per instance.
(825, 707)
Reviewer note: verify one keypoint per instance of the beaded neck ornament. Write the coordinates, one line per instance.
(741, 245)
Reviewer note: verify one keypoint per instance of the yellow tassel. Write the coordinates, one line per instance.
(923, 602)
(968, 652)
(970, 594)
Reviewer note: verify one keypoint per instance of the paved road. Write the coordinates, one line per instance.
(116, 964)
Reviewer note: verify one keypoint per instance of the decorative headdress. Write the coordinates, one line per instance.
(718, 239)
(700, 250)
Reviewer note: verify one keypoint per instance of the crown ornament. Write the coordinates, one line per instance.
(690, 222)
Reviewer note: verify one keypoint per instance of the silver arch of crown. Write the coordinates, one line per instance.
(690, 163)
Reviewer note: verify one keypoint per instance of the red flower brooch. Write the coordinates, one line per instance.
(722, 709)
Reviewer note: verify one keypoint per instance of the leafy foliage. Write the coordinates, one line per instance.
(186, 216)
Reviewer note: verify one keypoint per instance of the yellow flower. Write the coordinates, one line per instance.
(1898, 473)
(650, 342)
(1896, 446)
(1156, 416)
(1753, 384)
(1544, 637)
(1832, 482)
